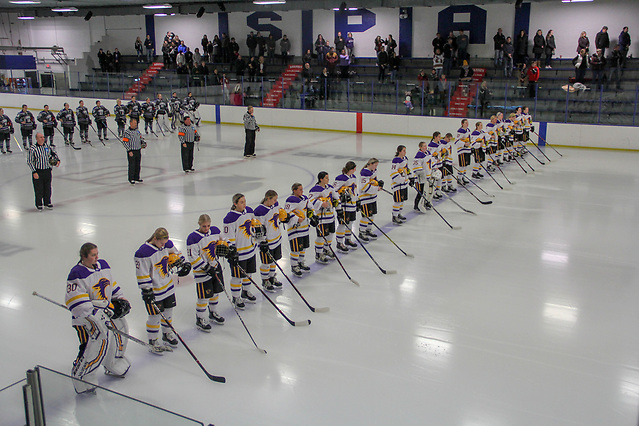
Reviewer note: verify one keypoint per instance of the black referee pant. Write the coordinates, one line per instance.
(187, 155)
(135, 161)
(249, 146)
(42, 187)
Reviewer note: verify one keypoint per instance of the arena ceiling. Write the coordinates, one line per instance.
(134, 7)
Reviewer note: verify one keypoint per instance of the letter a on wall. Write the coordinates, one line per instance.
(468, 18)
(253, 21)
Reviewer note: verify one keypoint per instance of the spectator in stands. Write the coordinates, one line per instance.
(234, 50)
(602, 40)
(166, 54)
(139, 48)
(449, 55)
(217, 49)
(422, 80)
(251, 66)
(382, 65)
(109, 61)
(319, 49)
(308, 57)
(350, 45)
(102, 60)
(583, 43)
(197, 57)
(391, 45)
(325, 84)
(533, 77)
(344, 63)
(442, 87)
(270, 48)
(285, 47)
(438, 62)
(581, 62)
(624, 44)
(261, 44)
(261, 67)
(438, 43)
(204, 42)
(462, 46)
(598, 65)
(466, 73)
(484, 98)
(452, 36)
(203, 71)
(208, 52)
(340, 43)
(550, 47)
(433, 78)
(499, 40)
(521, 48)
(379, 44)
(240, 66)
(251, 43)
(509, 53)
(188, 56)
(148, 44)
(180, 61)
(539, 45)
(393, 63)
(616, 62)
(225, 51)
(182, 47)
(331, 61)
(117, 60)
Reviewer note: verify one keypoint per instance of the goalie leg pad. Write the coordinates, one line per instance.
(94, 352)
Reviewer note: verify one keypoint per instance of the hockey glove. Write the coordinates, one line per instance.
(340, 216)
(233, 257)
(335, 203)
(209, 270)
(148, 296)
(411, 180)
(109, 311)
(264, 247)
(533, 129)
(314, 221)
(197, 137)
(358, 205)
(121, 307)
(310, 213)
(184, 269)
(381, 184)
(13, 130)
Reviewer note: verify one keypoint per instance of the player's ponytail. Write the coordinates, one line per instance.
(86, 249)
(269, 194)
(435, 134)
(399, 149)
(159, 234)
(371, 161)
(349, 166)
(236, 198)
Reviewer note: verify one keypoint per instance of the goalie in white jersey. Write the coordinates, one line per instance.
(297, 228)
(96, 303)
(203, 248)
(154, 262)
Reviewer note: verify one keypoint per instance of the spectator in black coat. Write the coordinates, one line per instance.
(261, 44)
(251, 43)
(240, 66)
(498, 42)
(550, 47)
(602, 41)
(521, 48)
(438, 43)
(339, 42)
(598, 65)
(624, 43)
(583, 43)
(102, 60)
(382, 65)
(539, 45)
(462, 46)
(616, 62)
(117, 60)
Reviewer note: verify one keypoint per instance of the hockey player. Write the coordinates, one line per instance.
(297, 228)
(491, 142)
(6, 130)
(346, 186)
(175, 107)
(422, 171)
(369, 187)
(518, 127)
(501, 133)
(462, 143)
(27, 125)
(446, 150)
(188, 136)
(270, 215)
(162, 109)
(97, 306)
(49, 123)
(148, 112)
(400, 177)
(134, 109)
(84, 120)
(120, 112)
(203, 250)
(509, 138)
(154, 262)
(477, 146)
(436, 167)
(239, 231)
(527, 122)
(323, 200)
(100, 114)
(191, 105)
(66, 117)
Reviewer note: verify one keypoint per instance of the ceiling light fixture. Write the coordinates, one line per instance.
(25, 18)
(64, 9)
(157, 6)
(24, 2)
(262, 2)
(350, 8)
(575, 1)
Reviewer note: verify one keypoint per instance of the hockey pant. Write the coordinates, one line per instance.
(27, 136)
(99, 345)
(399, 196)
(148, 125)
(84, 132)
(207, 296)
(121, 125)
(68, 134)
(239, 281)
(5, 140)
(297, 250)
(162, 122)
(102, 129)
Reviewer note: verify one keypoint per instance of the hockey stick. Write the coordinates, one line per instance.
(389, 238)
(471, 181)
(99, 137)
(18, 143)
(116, 136)
(438, 213)
(546, 142)
(77, 148)
(293, 323)
(237, 313)
(110, 327)
(325, 309)
(514, 158)
(542, 152)
(492, 177)
(457, 204)
(383, 271)
(159, 126)
(528, 151)
(527, 163)
(339, 261)
(80, 132)
(218, 379)
(497, 164)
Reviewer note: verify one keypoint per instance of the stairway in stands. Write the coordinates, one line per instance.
(144, 79)
(275, 95)
(462, 98)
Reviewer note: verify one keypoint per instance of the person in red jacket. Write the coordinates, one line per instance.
(533, 76)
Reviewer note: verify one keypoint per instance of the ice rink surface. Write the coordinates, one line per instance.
(528, 315)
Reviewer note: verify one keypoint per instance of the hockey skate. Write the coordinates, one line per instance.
(351, 245)
(397, 221)
(158, 348)
(239, 303)
(321, 258)
(217, 318)
(268, 286)
(275, 283)
(371, 234)
(202, 325)
(169, 337)
(303, 266)
(248, 296)
(363, 237)
(329, 254)
(295, 269)
(342, 248)
(402, 218)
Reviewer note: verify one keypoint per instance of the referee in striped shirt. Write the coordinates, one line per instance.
(38, 161)
(133, 143)
(188, 135)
